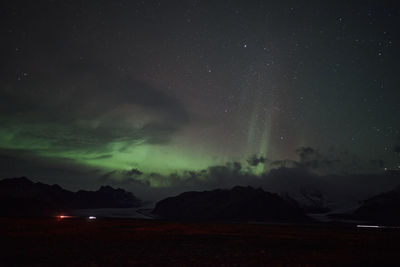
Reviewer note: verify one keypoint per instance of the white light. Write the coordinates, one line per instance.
(92, 218)
(377, 226)
(368, 226)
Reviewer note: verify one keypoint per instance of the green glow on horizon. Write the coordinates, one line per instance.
(162, 164)
(145, 157)
(148, 158)
(115, 155)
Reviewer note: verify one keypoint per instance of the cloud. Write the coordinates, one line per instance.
(334, 162)
(84, 109)
(285, 163)
(254, 160)
(133, 172)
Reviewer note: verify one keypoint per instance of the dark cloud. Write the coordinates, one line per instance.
(254, 160)
(312, 159)
(79, 102)
(334, 162)
(133, 172)
(285, 163)
(86, 109)
(306, 153)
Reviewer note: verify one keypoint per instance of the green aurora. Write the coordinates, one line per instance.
(168, 88)
(122, 155)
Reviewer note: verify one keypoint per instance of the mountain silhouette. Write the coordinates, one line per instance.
(238, 204)
(383, 208)
(22, 197)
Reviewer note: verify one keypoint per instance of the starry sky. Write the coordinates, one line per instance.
(154, 89)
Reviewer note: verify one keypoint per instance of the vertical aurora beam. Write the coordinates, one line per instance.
(252, 132)
(258, 133)
(259, 99)
(263, 148)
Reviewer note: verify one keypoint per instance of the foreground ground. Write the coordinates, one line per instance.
(106, 242)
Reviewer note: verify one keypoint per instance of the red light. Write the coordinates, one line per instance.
(61, 217)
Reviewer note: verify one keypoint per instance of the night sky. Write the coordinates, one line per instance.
(158, 93)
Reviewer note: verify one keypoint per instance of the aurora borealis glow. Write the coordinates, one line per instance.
(166, 88)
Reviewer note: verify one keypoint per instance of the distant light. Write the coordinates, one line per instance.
(377, 226)
(92, 218)
(368, 226)
(60, 217)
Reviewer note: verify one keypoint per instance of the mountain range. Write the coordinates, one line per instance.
(22, 197)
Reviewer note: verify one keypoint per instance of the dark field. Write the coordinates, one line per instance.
(117, 242)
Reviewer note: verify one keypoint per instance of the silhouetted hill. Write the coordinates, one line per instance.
(382, 208)
(313, 201)
(106, 197)
(22, 197)
(239, 203)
